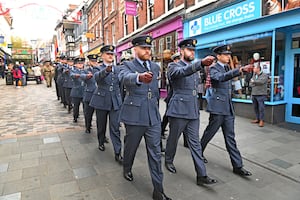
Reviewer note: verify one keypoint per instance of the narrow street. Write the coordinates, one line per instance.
(44, 155)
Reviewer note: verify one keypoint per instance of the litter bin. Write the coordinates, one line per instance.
(9, 78)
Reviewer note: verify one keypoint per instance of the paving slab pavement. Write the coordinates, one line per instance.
(44, 155)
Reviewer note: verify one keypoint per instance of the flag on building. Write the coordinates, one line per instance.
(56, 48)
(81, 51)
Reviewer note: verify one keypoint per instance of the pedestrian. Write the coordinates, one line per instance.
(37, 73)
(90, 87)
(17, 74)
(23, 69)
(220, 107)
(77, 86)
(68, 83)
(259, 93)
(48, 72)
(183, 110)
(140, 113)
(107, 101)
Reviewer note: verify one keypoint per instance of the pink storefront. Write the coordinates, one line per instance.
(165, 34)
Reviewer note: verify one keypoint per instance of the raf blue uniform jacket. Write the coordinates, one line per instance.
(78, 85)
(60, 78)
(66, 74)
(90, 84)
(140, 106)
(184, 81)
(107, 96)
(219, 99)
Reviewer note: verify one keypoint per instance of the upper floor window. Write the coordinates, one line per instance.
(170, 4)
(125, 24)
(99, 7)
(136, 22)
(151, 9)
(112, 5)
(113, 32)
(106, 8)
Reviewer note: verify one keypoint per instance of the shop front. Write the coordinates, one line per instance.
(251, 30)
(165, 39)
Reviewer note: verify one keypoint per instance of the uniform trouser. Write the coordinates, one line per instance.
(48, 80)
(114, 126)
(259, 106)
(190, 127)
(88, 114)
(226, 122)
(57, 90)
(62, 94)
(132, 140)
(67, 92)
(76, 101)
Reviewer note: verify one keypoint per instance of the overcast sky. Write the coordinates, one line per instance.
(36, 21)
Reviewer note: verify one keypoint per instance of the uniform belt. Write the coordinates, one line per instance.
(188, 92)
(150, 95)
(110, 88)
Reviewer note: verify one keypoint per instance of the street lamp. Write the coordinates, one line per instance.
(33, 47)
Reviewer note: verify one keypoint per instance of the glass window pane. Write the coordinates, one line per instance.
(296, 110)
(296, 88)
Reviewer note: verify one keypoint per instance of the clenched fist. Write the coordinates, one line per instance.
(145, 77)
(108, 68)
(208, 60)
(89, 75)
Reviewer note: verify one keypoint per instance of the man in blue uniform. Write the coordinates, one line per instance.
(221, 109)
(183, 109)
(90, 86)
(68, 82)
(140, 112)
(78, 87)
(60, 78)
(107, 101)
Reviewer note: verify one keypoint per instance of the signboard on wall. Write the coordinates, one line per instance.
(232, 15)
(130, 8)
(239, 13)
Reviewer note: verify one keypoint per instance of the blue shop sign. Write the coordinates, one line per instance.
(232, 15)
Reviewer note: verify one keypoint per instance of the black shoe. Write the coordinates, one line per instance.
(75, 120)
(106, 140)
(160, 196)
(101, 147)
(186, 145)
(170, 167)
(205, 180)
(119, 158)
(242, 172)
(88, 130)
(128, 176)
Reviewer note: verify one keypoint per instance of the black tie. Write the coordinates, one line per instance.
(226, 68)
(145, 65)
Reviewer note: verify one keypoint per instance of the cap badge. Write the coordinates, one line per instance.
(148, 40)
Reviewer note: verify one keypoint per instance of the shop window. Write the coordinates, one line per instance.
(161, 45)
(243, 50)
(296, 40)
(278, 88)
(169, 42)
(153, 49)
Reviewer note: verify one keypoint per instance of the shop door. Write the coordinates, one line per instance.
(293, 107)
